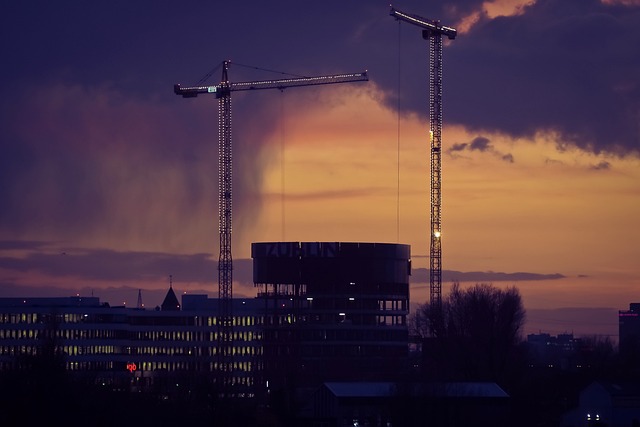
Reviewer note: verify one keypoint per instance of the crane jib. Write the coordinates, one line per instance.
(224, 89)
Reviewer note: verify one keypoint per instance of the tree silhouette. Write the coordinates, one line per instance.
(478, 336)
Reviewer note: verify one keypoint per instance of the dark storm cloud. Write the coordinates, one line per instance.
(421, 275)
(88, 113)
(111, 265)
(482, 145)
(601, 166)
(22, 244)
(117, 266)
(479, 143)
(68, 154)
(568, 66)
(131, 266)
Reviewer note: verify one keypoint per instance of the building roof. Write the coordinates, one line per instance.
(386, 389)
(361, 389)
(170, 302)
(469, 389)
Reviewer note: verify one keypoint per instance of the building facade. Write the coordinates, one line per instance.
(333, 311)
(324, 311)
(131, 348)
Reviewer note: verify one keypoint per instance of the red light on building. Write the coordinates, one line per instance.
(132, 367)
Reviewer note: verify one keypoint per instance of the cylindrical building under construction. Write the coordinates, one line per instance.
(334, 311)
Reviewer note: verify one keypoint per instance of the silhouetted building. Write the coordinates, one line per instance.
(333, 311)
(603, 403)
(130, 348)
(629, 334)
(561, 351)
(170, 302)
(386, 404)
(325, 312)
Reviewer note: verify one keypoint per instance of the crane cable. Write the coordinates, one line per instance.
(210, 73)
(270, 71)
(282, 164)
(398, 137)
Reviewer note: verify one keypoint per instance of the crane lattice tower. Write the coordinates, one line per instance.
(433, 31)
(222, 91)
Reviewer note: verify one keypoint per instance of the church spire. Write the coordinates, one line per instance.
(170, 302)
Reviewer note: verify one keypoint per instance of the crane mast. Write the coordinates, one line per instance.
(433, 32)
(225, 260)
(222, 91)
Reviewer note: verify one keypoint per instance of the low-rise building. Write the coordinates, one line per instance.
(603, 403)
(133, 348)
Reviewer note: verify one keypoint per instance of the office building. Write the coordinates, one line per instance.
(130, 348)
(324, 311)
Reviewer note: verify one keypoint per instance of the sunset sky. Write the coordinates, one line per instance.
(108, 180)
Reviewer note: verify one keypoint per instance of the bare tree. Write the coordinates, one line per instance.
(479, 331)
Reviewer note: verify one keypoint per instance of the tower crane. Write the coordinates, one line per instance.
(433, 31)
(222, 91)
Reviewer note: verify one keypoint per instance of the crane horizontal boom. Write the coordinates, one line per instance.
(430, 25)
(219, 89)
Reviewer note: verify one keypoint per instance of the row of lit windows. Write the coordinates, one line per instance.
(237, 368)
(199, 337)
(60, 333)
(102, 334)
(18, 318)
(74, 350)
(15, 318)
(239, 336)
(192, 351)
(237, 321)
(90, 366)
(17, 350)
(77, 350)
(243, 321)
(241, 370)
(18, 334)
(88, 333)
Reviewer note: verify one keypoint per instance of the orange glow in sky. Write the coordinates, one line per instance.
(518, 205)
